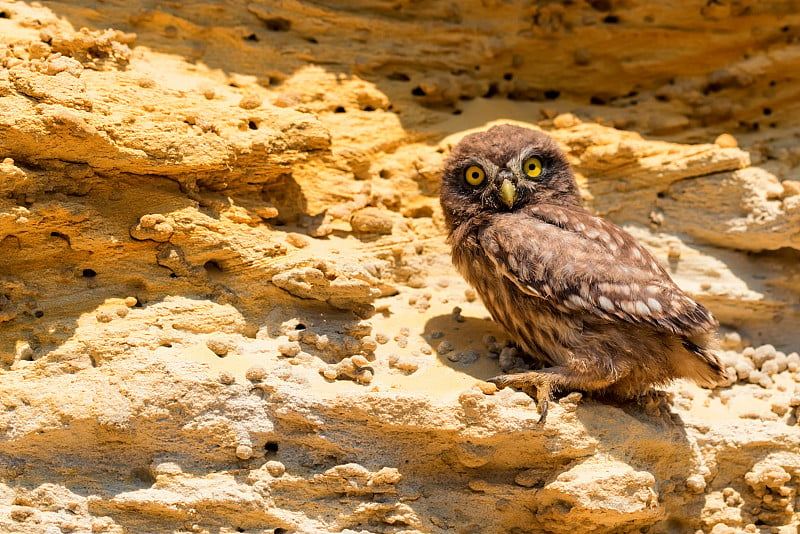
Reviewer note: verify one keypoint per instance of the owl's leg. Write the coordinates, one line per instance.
(541, 384)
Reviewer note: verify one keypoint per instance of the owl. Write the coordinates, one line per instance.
(575, 292)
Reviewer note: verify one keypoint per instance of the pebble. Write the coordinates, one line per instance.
(219, 344)
(368, 344)
(255, 373)
(371, 220)
(457, 315)
(289, 349)
(275, 468)
(244, 452)
(381, 338)
(726, 140)
(470, 295)
(762, 354)
(444, 347)
(226, 378)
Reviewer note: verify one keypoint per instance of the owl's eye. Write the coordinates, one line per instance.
(474, 175)
(532, 167)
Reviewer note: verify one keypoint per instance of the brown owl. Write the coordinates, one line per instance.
(577, 293)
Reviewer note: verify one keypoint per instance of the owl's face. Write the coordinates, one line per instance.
(503, 169)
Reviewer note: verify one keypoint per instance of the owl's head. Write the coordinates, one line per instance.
(504, 169)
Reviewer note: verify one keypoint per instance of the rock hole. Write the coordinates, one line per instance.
(311, 40)
(252, 37)
(173, 275)
(597, 101)
(299, 326)
(600, 5)
(662, 98)
(252, 125)
(508, 76)
(368, 108)
(383, 173)
(278, 24)
(785, 29)
(271, 447)
(4, 15)
(399, 77)
(59, 235)
(280, 530)
(143, 474)
(38, 314)
(417, 91)
(552, 94)
(772, 83)
(457, 112)
(339, 109)
(212, 266)
(492, 91)
(767, 111)
(661, 194)
(89, 273)
(611, 19)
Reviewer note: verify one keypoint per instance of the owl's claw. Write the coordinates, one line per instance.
(536, 385)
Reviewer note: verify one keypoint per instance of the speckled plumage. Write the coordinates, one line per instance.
(576, 292)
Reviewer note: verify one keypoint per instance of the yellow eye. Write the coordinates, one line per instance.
(532, 167)
(474, 175)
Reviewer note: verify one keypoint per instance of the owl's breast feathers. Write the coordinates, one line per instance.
(579, 263)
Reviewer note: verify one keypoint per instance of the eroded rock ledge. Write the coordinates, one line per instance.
(226, 303)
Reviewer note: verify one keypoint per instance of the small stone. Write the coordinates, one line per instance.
(219, 344)
(289, 349)
(437, 334)
(731, 341)
(770, 367)
(469, 357)
(368, 344)
(323, 342)
(457, 315)
(359, 361)
(297, 240)
(726, 141)
(470, 295)
(131, 301)
(250, 101)
(381, 338)
(401, 341)
(695, 484)
(566, 120)
(275, 468)
(454, 356)
(104, 316)
(330, 373)
(244, 452)
(487, 388)
(763, 353)
(444, 347)
(226, 378)
(780, 407)
(255, 373)
(371, 220)
(743, 368)
(426, 349)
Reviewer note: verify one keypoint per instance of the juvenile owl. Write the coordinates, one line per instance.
(577, 293)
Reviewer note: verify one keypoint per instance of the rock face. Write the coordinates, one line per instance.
(227, 304)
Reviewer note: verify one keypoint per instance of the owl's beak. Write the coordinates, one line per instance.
(508, 193)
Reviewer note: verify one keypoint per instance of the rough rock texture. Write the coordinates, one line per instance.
(226, 304)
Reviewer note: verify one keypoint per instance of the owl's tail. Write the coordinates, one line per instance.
(705, 367)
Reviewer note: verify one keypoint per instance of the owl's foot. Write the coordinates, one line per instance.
(536, 385)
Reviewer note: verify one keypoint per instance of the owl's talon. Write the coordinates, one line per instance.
(536, 385)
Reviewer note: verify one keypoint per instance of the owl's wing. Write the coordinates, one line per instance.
(579, 262)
